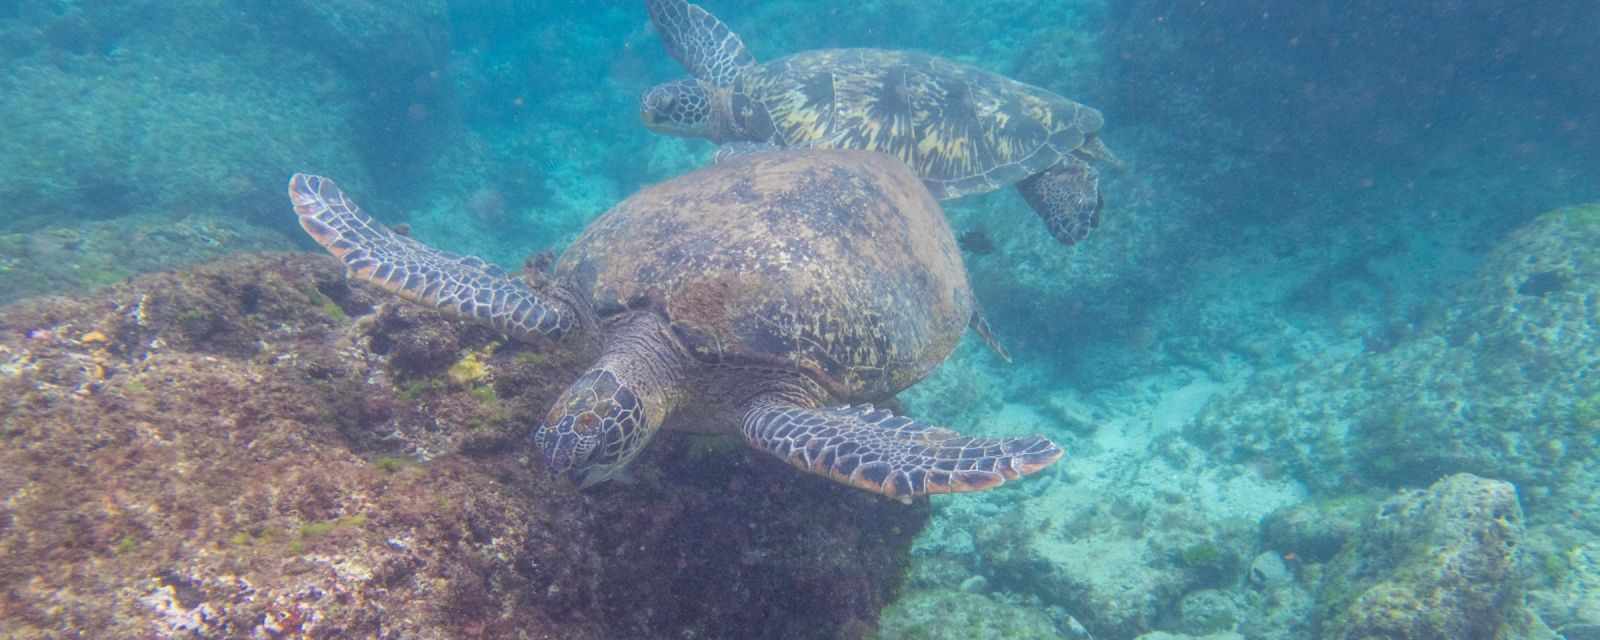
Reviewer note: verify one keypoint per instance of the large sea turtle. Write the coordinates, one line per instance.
(770, 295)
(962, 129)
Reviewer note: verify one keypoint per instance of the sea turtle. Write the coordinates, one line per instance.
(772, 295)
(964, 130)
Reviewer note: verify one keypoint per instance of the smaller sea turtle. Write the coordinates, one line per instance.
(768, 296)
(964, 130)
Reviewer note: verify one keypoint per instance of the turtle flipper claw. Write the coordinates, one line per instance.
(463, 284)
(895, 456)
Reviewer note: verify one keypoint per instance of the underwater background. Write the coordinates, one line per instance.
(1329, 368)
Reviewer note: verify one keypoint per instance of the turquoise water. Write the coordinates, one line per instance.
(1352, 254)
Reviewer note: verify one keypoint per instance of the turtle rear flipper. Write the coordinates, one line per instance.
(698, 40)
(420, 273)
(1067, 197)
(1095, 149)
(895, 456)
(980, 324)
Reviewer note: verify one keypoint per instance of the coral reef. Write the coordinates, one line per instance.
(1494, 385)
(173, 107)
(81, 258)
(958, 615)
(257, 448)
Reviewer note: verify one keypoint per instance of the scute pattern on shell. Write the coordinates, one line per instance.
(963, 129)
(760, 265)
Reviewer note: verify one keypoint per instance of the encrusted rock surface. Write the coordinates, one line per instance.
(257, 448)
(1438, 563)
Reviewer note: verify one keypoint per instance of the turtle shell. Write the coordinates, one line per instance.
(839, 264)
(962, 129)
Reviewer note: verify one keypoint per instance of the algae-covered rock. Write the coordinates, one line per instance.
(955, 615)
(1438, 563)
(1162, 635)
(237, 451)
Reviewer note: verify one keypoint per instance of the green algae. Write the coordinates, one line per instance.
(1587, 412)
(485, 395)
(531, 359)
(1203, 555)
(392, 464)
(322, 528)
(1556, 567)
(294, 541)
(193, 316)
(334, 311)
(468, 371)
(416, 389)
(325, 304)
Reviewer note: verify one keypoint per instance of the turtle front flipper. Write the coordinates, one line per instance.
(1067, 197)
(420, 273)
(895, 456)
(698, 40)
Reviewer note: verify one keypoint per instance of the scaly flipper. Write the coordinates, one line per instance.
(698, 40)
(895, 456)
(417, 272)
(1067, 197)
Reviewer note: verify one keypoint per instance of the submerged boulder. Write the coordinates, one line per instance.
(258, 448)
(1435, 563)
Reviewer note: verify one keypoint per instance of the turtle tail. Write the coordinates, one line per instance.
(465, 285)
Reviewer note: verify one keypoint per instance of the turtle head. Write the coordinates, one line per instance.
(594, 429)
(679, 108)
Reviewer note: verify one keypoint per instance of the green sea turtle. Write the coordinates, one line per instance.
(770, 295)
(962, 129)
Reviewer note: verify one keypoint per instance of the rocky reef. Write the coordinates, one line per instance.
(1432, 480)
(1492, 381)
(258, 448)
